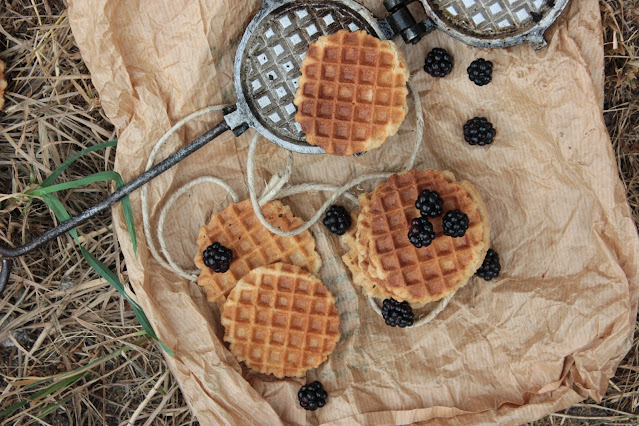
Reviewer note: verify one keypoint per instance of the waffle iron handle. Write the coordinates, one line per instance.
(401, 22)
(6, 254)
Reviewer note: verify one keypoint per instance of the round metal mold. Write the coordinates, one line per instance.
(495, 23)
(269, 58)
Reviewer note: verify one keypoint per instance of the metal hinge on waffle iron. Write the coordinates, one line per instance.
(235, 120)
(401, 22)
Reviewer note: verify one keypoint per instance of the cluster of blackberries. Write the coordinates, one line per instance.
(479, 131)
(421, 233)
(217, 257)
(337, 220)
(480, 72)
(439, 63)
(491, 267)
(430, 204)
(313, 396)
(455, 223)
(397, 314)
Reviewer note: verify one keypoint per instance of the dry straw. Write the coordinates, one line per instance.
(58, 316)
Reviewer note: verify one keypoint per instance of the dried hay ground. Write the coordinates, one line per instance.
(57, 315)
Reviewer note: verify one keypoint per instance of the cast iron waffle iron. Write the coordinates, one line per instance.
(270, 54)
(495, 23)
(268, 60)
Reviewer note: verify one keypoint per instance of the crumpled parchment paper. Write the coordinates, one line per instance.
(546, 334)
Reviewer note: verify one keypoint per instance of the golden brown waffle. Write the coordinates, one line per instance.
(362, 238)
(238, 229)
(3, 84)
(281, 320)
(430, 273)
(358, 263)
(352, 92)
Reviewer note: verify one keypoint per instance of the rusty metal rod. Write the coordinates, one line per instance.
(7, 253)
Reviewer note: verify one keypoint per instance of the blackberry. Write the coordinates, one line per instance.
(312, 396)
(421, 232)
(480, 72)
(491, 267)
(397, 314)
(337, 220)
(217, 257)
(479, 131)
(438, 63)
(455, 223)
(429, 203)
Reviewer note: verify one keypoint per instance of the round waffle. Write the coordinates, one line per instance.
(3, 84)
(358, 263)
(352, 92)
(399, 269)
(281, 320)
(238, 229)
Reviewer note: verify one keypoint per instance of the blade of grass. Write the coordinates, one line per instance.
(29, 384)
(128, 215)
(48, 181)
(61, 213)
(13, 408)
(44, 392)
(96, 177)
(106, 273)
(57, 386)
(51, 408)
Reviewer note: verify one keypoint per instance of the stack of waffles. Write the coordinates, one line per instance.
(384, 262)
(278, 317)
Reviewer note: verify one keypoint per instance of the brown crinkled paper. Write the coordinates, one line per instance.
(546, 334)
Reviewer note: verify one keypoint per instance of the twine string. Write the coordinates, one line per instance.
(274, 189)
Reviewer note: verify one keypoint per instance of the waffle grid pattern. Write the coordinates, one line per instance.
(238, 229)
(281, 320)
(353, 91)
(363, 245)
(492, 16)
(428, 272)
(357, 262)
(278, 46)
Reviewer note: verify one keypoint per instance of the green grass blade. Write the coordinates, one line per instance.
(89, 365)
(128, 215)
(106, 273)
(61, 213)
(51, 408)
(57, 386)
(7, 411)
(166, 348)
(48, 181)
(44, 392)
(126, 203)
(96, 177)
